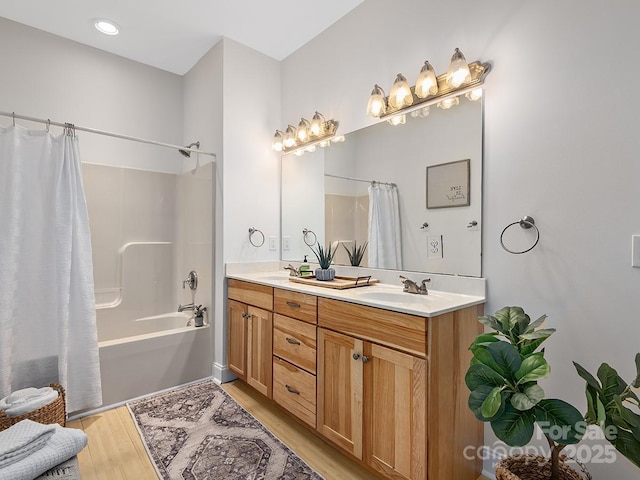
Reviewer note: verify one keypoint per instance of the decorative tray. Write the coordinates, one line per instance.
(338, 282)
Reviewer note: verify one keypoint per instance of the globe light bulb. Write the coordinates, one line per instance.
(302, 134)
(458, 72)
(376, 106)
(289, 139)
(400, 95)
(316, 129)
(427, 83)
(277, 141)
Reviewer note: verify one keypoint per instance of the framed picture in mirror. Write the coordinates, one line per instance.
(448, 184)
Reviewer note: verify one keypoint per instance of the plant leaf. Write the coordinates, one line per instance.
(530, 346)
(592, 406)
(629, 446)
(482, 355)
(560, 421)
(542, 333)
(506, 357)
(513, 427)
(483, 340)
(492, 323)
(491, 404)
(636, 382)
(538, 323)
(528, 399)
(513, 319)
(612, 383)
(477, 398)
(478, 375)
(590, 379)
(533, 368)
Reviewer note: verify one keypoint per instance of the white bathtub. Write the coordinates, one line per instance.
(156, 353)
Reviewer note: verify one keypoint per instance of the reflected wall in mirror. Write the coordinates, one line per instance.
(331, 193)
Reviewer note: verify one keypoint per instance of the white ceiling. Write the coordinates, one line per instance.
(174, 34)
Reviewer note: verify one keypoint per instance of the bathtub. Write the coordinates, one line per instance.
(152, 354)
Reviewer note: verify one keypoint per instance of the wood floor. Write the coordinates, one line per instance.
(115, 451)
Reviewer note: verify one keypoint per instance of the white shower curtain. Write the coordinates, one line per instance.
(47, 304)
(385, 242)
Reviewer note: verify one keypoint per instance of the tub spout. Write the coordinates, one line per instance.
(188, 306)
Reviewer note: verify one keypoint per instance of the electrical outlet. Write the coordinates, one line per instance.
(273, 243)
(286, 243)
(434, 246)
(635, 250)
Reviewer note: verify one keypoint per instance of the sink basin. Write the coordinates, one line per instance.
(395, 297)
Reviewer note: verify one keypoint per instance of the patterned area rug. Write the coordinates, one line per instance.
(199, 432)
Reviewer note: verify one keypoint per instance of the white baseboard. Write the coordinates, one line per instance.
(221, 374)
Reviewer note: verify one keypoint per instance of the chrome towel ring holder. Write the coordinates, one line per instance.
(306, 232)
(525, 222)
(251, 232)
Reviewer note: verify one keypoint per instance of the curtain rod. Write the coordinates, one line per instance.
(359, 179)
(102, 132)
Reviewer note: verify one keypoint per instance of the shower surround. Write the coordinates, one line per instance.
(148, 230)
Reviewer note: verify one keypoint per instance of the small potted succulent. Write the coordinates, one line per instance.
(198, 315)
(325, 258)
(356, 253)
(503, 379)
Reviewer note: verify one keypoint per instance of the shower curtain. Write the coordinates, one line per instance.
(47, 305)
(385, 242)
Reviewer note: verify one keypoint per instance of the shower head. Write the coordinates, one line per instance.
(187, 153)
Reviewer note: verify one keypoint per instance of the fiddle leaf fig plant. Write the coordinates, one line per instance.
(614, 406)
(503, 379)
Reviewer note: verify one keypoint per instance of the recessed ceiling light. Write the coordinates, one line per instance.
(106, 26)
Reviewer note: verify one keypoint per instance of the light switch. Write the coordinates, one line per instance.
(434, 246)
(635, 250)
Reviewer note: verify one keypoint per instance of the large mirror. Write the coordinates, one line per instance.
(413, 191)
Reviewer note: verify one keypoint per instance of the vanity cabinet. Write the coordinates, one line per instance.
(250, 340)
(385, 387)
(372, 398)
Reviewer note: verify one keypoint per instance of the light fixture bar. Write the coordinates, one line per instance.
(478, 73)
(329, 127)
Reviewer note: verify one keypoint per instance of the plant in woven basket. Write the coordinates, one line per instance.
(503, 379)
(356, 253)
(614, 406)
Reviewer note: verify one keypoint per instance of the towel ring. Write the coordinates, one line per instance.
(251, 232)
(307, 232)
(525, 222)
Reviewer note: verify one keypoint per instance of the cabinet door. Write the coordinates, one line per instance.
(237, 318)
(395, 413)
(339, 405)
(259, 350)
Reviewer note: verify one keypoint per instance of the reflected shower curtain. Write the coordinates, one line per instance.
(47, 304)
(385, 242)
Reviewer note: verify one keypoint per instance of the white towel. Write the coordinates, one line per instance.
(63, 444)
(22, 439)
(27, 400)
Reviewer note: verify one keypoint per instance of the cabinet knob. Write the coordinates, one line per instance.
(292, 341)
(356, 356)
(246, 316)
(365, 359)
(292, 390)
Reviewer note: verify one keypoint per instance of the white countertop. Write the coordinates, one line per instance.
(386, 296)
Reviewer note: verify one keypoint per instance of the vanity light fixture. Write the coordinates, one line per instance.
(461, 78)
(308, 135)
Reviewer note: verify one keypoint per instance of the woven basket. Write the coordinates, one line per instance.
(55, 412)
(532, 467)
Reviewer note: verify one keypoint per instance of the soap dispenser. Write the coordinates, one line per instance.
(305, 268)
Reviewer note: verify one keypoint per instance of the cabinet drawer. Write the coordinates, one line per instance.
(296, 305)
(251, 293)
(295, 341)
(397, 330)
(295, 390)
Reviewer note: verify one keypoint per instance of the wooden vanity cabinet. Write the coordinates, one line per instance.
(372, 398)
(250, 338)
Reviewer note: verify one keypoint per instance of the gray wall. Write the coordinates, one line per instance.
(560, 145)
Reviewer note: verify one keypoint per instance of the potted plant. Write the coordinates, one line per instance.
(614, 406)
(198, 315)
(356, 253)
(325, 258)
(503, 379)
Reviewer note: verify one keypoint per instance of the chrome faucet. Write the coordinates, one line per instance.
(412, 287)
(188, 306)
(293, 271)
